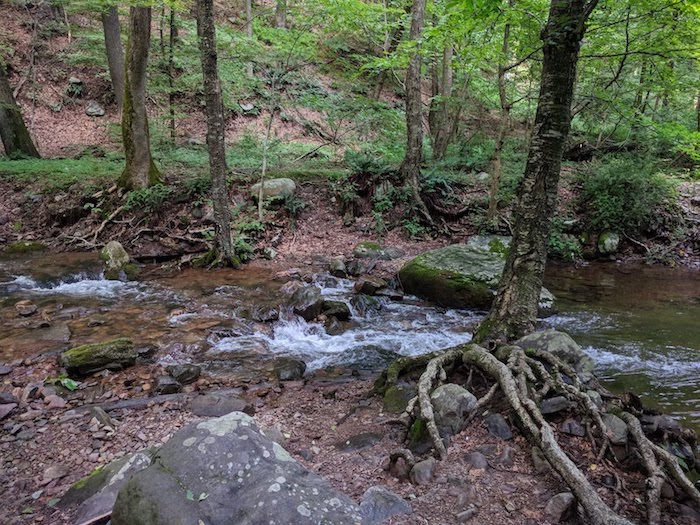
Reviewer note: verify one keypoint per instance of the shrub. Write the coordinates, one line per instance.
(628, 195)
(148, 199)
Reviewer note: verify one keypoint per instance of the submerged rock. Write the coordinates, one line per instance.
(224, 472)
(461, 275)
(337, 309)
(111, 355)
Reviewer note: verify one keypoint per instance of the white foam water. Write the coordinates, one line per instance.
(77, 285)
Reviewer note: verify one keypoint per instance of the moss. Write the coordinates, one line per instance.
(90, 477)
(396, 398)
(498, 246)
(25, 247)
(418, 435)
(89, 358)
(369, 245)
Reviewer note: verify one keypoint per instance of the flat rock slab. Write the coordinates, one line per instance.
(223, 471)
(216, 405)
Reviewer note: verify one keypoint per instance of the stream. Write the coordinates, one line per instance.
(638, 323)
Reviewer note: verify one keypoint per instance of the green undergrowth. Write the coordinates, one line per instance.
(61, 174)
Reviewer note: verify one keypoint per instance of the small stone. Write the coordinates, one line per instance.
(538, 461)
(466, 515)
(6, 397)
(616, 429)
(55, 472)
(423, 471)
(359, 441)
(5, 409)
(185, 373)
(25, 308)
(558, 507)
(337, 267)
(55, 401)
(216, 405)
(573, 428)
(4, 370)
(507, 457)
(552, 405)
(25, 435)
(476, 460)
(497, 426)
(379, 504)
(94, 109)
(167, 385)
(289, 369)
(369, 285)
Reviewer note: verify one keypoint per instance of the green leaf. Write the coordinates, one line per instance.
(69, 383)
(190, 495)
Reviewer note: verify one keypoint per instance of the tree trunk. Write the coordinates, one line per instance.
(140, 170)
(504, 126)
(115, 52)
(443, 124)
(13, 132)
(249, 30)
(216, 127)
(410, 168)
(172, 36)
(514, 310)
(281, 14)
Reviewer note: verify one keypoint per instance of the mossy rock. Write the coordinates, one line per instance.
(418, 438)
(20, 247)
(461, 275)
(396, 398)
(110, 355)
(373, 250)
(117, 261)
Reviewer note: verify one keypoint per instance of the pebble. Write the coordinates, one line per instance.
(497, 426)
(466, 515)
(54, 401)
(4, 370)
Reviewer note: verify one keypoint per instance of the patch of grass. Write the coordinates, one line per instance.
(55, 175)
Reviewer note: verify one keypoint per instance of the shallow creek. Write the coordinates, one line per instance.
(640, 324)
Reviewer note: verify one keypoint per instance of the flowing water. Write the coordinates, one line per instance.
(640, 324)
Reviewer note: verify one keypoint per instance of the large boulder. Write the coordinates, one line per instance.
(561, 345)
(461, 275)
(274, 188)
(224, 471)
(110, 355)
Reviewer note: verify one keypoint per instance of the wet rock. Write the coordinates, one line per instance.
(379, 504)
(396, 397)
(369, 285)
(573, 428)
(290, 287)
(117, 262)
(452, 405)
(6, 408)
(390, 293)
(422, 472)
(616, 429)
(608, 243)
(4, 370)
(25, 308)
(561, 345)
(289, 369)
(224, 471)
(185, 373)
(373, 250)
(476, 460)
(217, 404)
(110, 355)
(364, 304)
(337, 268)
(274, 188)
(497, 426)
(56, 333)
(167, 385)
(236, 348)
(307, 302)
(553, 405)
(266, 315)
(357, 267)
(559, 506)
(95, 495)
(359, 441)
(337, 309)
(94, 109)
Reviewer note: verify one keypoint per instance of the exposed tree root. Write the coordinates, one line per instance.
(525, 378)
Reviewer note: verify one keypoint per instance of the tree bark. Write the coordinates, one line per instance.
(504, 126)
(281, 14)
(249, 30)
(172, 36)
(115, 52)
(140, 171)
(514, 310)
(410, 168)
(13, 132)
(443, 122)
(216, 127)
